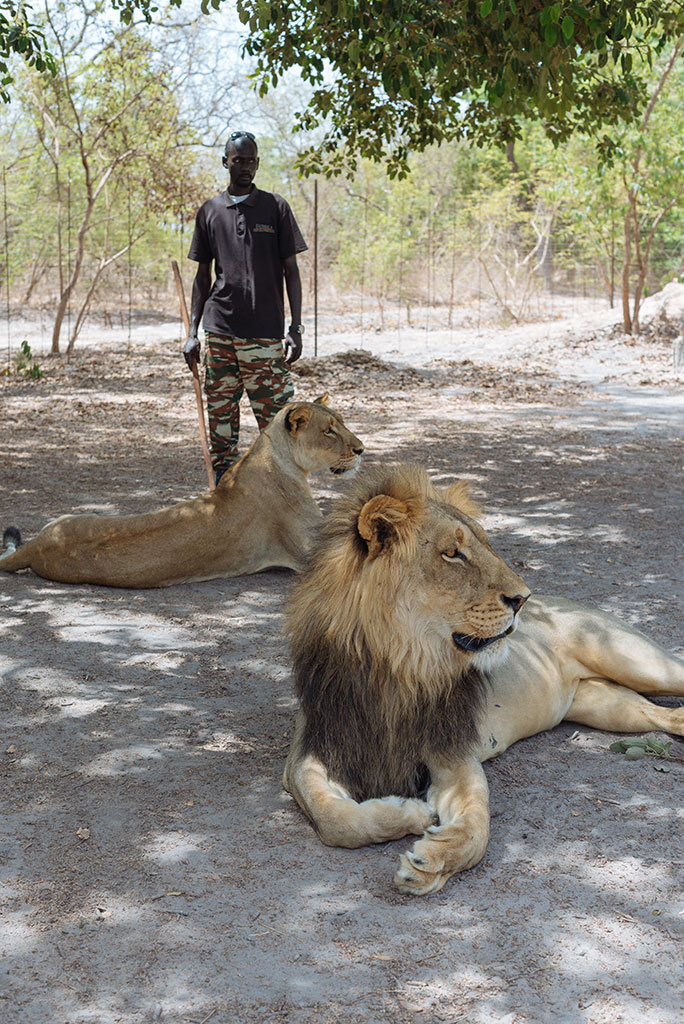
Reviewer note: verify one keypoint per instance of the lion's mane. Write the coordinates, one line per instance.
(376, 696)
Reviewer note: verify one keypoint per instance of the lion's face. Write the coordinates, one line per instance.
(403, 584)
(321, 439)
(456, 589)
(430, 588)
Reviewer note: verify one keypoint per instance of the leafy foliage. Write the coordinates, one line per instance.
(24, 364)
(18, 35)
(95, 158)
(128, 8)
(391, 76)
(636, 747)
(467, 224)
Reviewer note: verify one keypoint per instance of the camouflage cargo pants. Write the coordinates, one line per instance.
(235, 365)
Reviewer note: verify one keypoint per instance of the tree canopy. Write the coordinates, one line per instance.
(391, 76)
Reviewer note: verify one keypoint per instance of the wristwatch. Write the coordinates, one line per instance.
(299, 329)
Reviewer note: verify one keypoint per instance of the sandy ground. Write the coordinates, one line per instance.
(152, 867)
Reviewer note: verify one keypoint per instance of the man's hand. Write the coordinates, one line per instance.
(191, 352)
(292, 347)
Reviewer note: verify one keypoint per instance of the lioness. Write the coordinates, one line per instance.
(418, 654)
(262, 514)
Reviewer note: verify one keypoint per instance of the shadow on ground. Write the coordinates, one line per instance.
(152, 867)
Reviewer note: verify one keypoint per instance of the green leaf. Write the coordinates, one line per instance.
(486, 8)
(550, 35)
(657, 747)
(354, 51)
(568, 27)
(264, 14)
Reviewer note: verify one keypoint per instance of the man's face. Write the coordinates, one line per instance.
(241, 162)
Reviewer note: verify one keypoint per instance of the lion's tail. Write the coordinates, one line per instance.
(10, 558)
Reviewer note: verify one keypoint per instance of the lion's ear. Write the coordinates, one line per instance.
(323, 400)
(383, 521)
(297, 418)
(458, 495)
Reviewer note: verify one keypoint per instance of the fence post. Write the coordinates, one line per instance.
(315, 266)
(7, 266)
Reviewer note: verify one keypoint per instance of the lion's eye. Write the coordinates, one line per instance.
(329, 432)
(454, 555)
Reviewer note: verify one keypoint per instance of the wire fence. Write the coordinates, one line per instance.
(430, 263)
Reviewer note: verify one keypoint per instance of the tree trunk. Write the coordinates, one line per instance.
(631, 320)
(59, 319)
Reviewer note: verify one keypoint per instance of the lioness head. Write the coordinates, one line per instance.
(403, 572)
(319, 437)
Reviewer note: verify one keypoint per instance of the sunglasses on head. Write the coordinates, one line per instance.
(242, 135)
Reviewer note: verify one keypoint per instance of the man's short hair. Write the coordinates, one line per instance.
(234, 136)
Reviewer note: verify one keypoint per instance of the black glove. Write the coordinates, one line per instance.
(292, 347)
(191, 352)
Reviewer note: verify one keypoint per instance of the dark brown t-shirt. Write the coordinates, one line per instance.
(247, 242)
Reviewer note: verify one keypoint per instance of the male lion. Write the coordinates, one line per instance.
(418, 654)
(261, 514)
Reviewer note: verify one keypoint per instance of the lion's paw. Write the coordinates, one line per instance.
(406, 815)
(441, 852)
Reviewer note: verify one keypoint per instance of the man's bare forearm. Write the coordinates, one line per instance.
(292, 345)
(293, 286)
(201, 289)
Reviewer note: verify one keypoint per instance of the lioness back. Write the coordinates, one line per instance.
(261, 515)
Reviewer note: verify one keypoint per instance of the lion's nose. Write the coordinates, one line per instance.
(358, 451)
(516, 602)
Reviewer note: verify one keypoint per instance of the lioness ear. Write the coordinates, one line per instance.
(323, 400)
(383, 521)
(458, 495)
(297, 418)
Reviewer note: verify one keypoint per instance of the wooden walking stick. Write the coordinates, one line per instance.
(211, 476)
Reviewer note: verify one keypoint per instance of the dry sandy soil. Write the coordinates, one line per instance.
(152, 867)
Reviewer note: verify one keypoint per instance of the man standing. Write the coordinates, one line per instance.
(252, 239)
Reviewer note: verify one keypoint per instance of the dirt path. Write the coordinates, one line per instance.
(152, 867)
